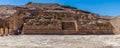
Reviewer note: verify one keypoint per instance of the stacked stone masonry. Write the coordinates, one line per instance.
(35, 18)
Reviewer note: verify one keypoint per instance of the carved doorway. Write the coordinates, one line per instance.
(68, 26)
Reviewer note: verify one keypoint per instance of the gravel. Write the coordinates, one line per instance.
(60, 41)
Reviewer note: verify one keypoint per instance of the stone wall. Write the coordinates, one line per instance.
(42, 19)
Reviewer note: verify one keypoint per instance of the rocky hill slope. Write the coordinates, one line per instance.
(51, 18)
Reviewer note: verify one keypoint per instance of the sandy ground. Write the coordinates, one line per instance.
(60, 41)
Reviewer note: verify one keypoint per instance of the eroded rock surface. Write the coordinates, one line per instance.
(39, 18)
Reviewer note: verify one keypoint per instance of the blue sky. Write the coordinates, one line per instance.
(102, 7)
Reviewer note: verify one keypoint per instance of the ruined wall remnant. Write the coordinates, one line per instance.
(55, 19)
(4, 27)
(116, 24)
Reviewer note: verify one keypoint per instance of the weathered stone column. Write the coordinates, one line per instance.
(6, 31)
(9, 31)
(1, 31)
(76, 26)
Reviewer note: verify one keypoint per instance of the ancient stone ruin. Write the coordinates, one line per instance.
(53, 19)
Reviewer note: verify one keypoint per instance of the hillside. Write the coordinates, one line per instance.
(52, 18)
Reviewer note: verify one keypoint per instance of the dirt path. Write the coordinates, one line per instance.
(60, 41)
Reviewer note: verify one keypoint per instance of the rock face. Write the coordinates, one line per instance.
(38, 18)
(6, 11)
(116, 24)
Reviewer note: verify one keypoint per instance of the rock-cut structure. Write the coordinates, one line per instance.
(52, 19)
